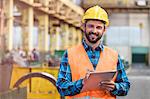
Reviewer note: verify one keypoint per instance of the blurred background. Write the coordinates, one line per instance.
(35, 33)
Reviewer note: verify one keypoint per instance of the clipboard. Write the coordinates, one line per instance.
(95, 78)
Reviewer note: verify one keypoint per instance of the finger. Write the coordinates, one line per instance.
(88, 73)
(108, 88)
(87, 76)
(107, 82)
(107, 85)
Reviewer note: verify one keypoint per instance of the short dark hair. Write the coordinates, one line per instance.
(95, 19)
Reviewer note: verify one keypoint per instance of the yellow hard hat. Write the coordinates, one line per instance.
(96, 12)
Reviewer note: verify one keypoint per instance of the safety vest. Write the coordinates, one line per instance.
(79, 63)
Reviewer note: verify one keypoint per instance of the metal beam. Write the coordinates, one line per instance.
(126, 9)
(27, 25)
(66, 36)
(10, 23)
(56, 8)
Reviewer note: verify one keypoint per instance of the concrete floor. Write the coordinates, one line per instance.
(139, 76)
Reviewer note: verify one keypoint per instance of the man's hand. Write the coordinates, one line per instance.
(107, 85)
(86, 76)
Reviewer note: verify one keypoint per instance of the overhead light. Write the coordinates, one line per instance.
(141, 2)
(16, 11)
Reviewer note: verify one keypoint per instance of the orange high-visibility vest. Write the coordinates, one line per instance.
(79, 63)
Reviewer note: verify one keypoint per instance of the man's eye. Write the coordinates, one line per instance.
(90, 26)
(99, 27)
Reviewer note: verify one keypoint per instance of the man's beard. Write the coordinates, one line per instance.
(92, 40)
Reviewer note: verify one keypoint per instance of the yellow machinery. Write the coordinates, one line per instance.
(54, 19)
(37, 87)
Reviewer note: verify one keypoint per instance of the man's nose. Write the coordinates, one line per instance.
(94, 30)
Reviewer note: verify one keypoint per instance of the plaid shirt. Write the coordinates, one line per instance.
(65, 85)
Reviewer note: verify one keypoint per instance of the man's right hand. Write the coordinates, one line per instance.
(86, 76)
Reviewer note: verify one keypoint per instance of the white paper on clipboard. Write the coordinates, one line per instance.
(95, 78)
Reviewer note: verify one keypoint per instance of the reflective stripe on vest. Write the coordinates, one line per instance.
(87, 97)
(79, 63)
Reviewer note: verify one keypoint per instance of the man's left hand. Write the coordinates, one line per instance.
(107, 85)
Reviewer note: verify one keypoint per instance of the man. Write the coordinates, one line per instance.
(92, 55)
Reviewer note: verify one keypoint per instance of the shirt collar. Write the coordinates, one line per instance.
(87, 47)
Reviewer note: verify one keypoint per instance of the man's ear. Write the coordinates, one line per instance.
(105, 29)
(83, 26)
